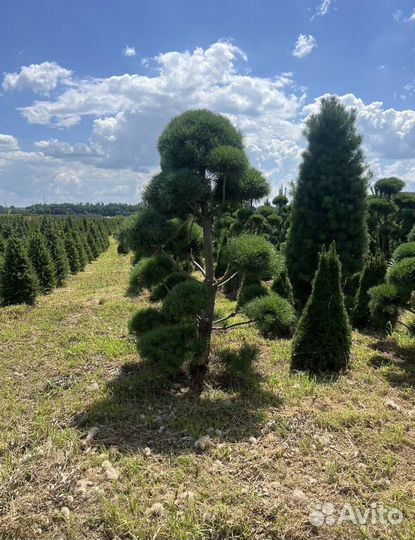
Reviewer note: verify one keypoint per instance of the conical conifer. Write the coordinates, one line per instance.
(18, 280)
(42, 262)
(323, 337)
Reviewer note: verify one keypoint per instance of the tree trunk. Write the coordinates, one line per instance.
(200, 363)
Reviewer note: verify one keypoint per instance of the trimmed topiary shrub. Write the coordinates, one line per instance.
(384, 304)
(145, 320)
(322, 340)
(273, 315)
(404, 251)
(160, 291)
(187, 300)
(249, 291)
(149, 271)
(373, 274)
(252, 255)
(168, 346)
(18, 280)
(281, 285)
(402, 275)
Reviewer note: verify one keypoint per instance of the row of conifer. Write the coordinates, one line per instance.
(37, 254)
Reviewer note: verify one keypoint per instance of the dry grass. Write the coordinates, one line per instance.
(67, 366)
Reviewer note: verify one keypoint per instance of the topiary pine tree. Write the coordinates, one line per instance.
(203, 167)
(42, 262)
(322, 339)
(18, 280)
(373, 273)
(330, 196)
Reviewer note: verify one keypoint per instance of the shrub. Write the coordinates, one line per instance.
(411, 235)
(187, 300)
(273, 315)
(145, 320)
(282, 286)
(168, 346)
(239, 362)
(18, 280)
(149, 271)
(160, 291)
(323, 337)
(373, 274)
(384, 304)
(402, 275)
(249, 291)
(252, 255)
(404, 251)
(42, 263)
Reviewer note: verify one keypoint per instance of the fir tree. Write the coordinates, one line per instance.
(323, 337)
(42, 262)
(18, 283)
(330, 197)
(57, 250)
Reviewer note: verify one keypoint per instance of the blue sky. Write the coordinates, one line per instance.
(87, 86)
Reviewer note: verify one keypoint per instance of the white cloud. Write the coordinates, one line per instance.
(387, 133)
(8, 143)
(304, 45)
(128, 113)
(412, 17)
(129, 51)
(397, 15)
(41, 78)
(55, 148)
(322, 9)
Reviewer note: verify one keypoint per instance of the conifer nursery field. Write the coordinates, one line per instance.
(96, 444)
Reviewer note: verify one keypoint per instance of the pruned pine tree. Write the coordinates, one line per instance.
(203, 170)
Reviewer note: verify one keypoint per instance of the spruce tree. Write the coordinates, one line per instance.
(322, 340)
(57, 250)
(72, 253)
(18, 283)
(330, 197)
(42, 262)
(373, 274)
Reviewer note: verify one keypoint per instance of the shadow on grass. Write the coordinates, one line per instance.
(397, 361)
(143, 408)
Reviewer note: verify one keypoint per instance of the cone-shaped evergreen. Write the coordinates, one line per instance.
(282, 286)
(18, 282)
(72, 254)
(57, 250)
(330, 197)
(373, 274)
(42, 263)
(323, 337)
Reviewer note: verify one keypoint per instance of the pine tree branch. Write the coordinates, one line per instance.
(223, 328)
(225, 318)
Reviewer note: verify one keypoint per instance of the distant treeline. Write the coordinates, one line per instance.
(96, 209)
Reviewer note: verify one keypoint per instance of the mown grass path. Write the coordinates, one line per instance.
(73, 396)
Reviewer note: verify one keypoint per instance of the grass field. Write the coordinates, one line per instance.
(94, 445)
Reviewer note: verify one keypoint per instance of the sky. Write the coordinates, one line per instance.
(87, 86)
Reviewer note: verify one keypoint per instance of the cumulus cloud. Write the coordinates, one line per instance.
(41, 78)
(387, 133)
(8, 143)
(412, 17)
(129, 51)
(128, 113)
(304, 45)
